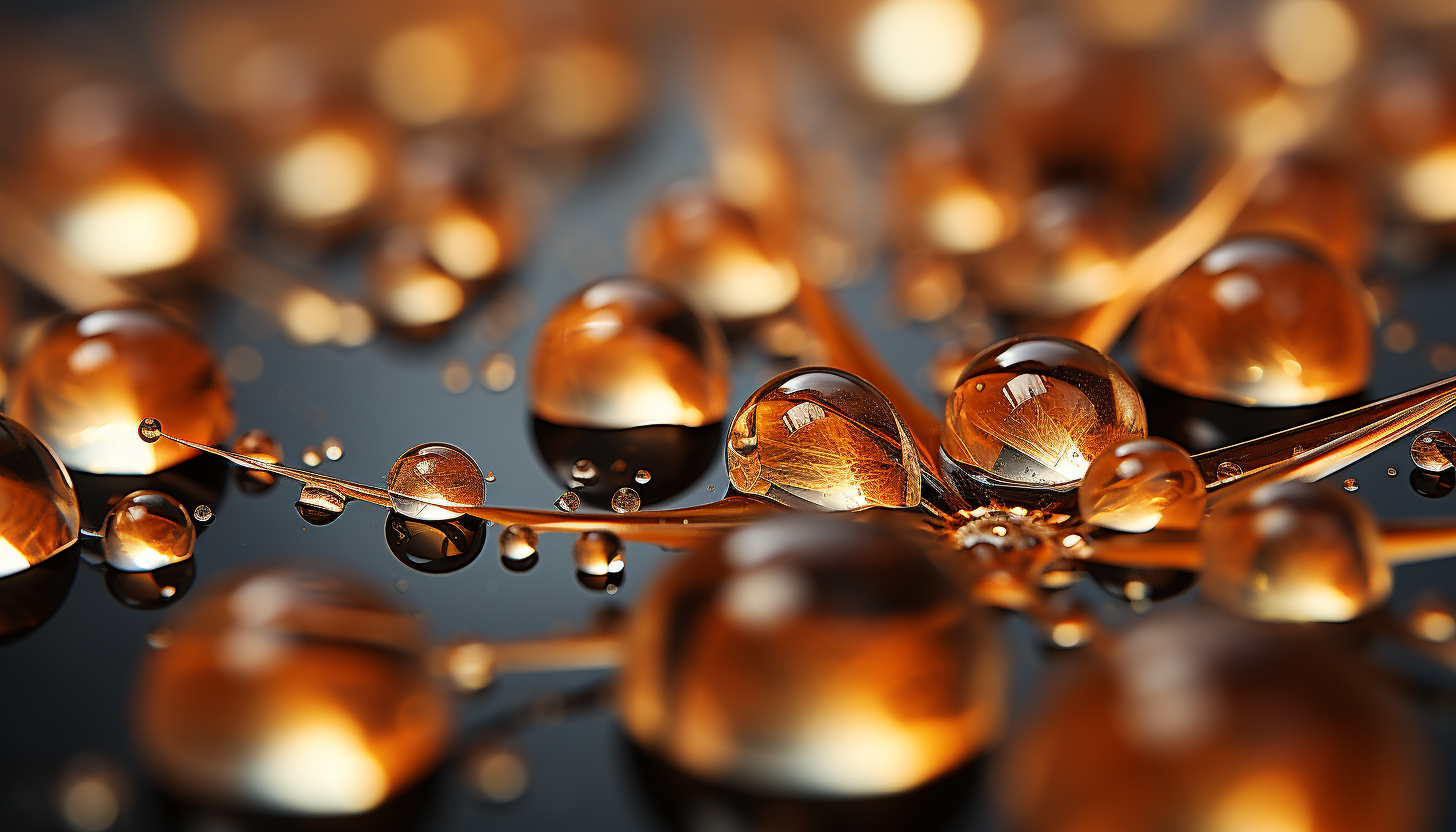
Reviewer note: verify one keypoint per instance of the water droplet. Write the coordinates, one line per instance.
(455, 376)
(568, 501)
(712, 488)
(127, 362)
(1432, 620)
(498, 372)
(1049, 407)
(1141, 485)
(490, 476)
(401, 585)
(202, 514)
(643, 476)
(626, 501)
(435, 547)
(333, 448)
(260, 445)
(311, 457)
(470, 665)
(598, 553)
(1228, 470)
(150, 430)
(1351, 484)
(42, 515)
(147, 530)
(1433, 485)
(496, 773)
(435, 481)
(583, 471)
(1433, 450)
(518, 542)
(1391, 472)
(320, 506)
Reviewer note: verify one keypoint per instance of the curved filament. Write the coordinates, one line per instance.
(28, 248)
(1403, 541)
(571, 652)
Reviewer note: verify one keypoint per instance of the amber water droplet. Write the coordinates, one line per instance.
(202, 514)
(319, 506)
(434, 547)
(643, 477)
(91, 379)
(714, 254)
(1205, 722)
(311, 457)
(1036, 410)
(1227, 470)
(1391, 472)
(490, 476)
(150, 430)
(147, 530)
(789, 655)
(42, 515)
(333, 449)
(435, 481)
(1257, 321)
(623, 353)
(1294, 552)
(584, 471)
(568, 501)
(626, 501)
(260, 445)
(598, 553)
(1141, 485)
(496, 773)
(250, 695)
(518, 543)
(822, 436)
(1351, 484)
(1433, 450)
(957, 194)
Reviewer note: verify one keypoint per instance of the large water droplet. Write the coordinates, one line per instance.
(147, 530)
(435, 481)
(1143, 484)
(42, 515)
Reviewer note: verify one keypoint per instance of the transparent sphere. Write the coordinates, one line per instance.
(811, 655)
(1294, 552)
(826, 437)
(291, 691)
(1141, 485)
(1257, 321)
(623, 353)
(147, 530)
(714, 254)
(435, 481)
(1036, 410)
(598, 553)
(41, 515)
(1433, 450)
(1207, 723)
(518, 542)
(90, 380)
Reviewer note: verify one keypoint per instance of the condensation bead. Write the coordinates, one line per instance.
(147, 530)
(1141, 485)
(825, 437)
(1257, 321)
(435, 481)
(1294, 552)
(811, 655)
(41, 515)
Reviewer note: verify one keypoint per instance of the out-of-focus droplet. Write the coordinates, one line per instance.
(1433, 450)
(438, 70)
(496, 773)
(577, 90)
(518, 542)
(1141, 485)
(955, 193)
(455, 376)
(91, 793)
(626, 501)
(152, 590)
(469, 665)
(622, 354)
(435, 481)
(1426, 185)
(1315, 202)
(498, 372)
(714, 254)
(434, 547)
(1203, 722)
(1309, 42)
(260, 445)
(1257, 321)
(928, 287)
(1135, 22)
(1036, 410)
(408, 289)
(325, 175)
(311, 456)
(42, 515)
(1294, 552)
(598, 553)
(89, 380)
(159, 638)
(822, 436)
(290, 691)
(319, 506)
(1432, 620)
(568, 501)
(147, 530)
(792, 655)
(917, 51)
(333, 449)
(643, 476)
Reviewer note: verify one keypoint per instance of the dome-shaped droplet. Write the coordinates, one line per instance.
(626, 501)
(1433, 450)
(811, 655)
(517, 542)
(598, 553)
(1143, 484)
(1294, 552)
(714, 254)
(825, 437)
(319, 505)
(623, 353)
(41, 515)
(435, 481)
(1036, 410)
(91, 379)
(147, 530)
(1206, 723)
(1257, 321)
(291, 691)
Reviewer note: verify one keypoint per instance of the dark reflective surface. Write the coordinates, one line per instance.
(675, 456)
(438, 547)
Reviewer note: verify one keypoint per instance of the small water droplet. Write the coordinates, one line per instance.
(490, 476)
(619, 466)
(496, 773)
(1351, 485)
(159, 638)
(626, 501)
(311, 457)
(168, 591)
(333, 448)
(643, 477)
(1228, 470)
(202, 514)
(319, 506)
(1391, 472)
(401, 585)
(455, 376)
(568, 501)
(584, 471)
(712, 488)
(518, 542)
(150, 430)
